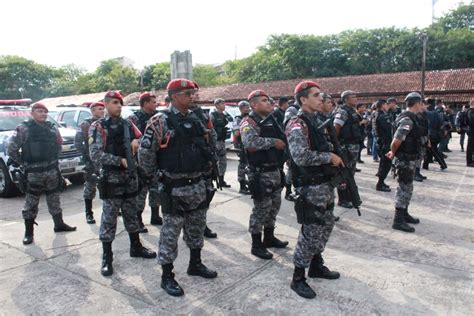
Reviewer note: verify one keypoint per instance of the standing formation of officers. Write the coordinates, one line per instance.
(169, 156)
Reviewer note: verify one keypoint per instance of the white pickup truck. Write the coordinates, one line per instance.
(70, 160)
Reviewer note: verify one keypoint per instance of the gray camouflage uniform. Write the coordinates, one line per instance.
(312, 238)
(184, 198)
(265, 210)
(125, 185)
(242, 168)
(38, 182)
(82, 145)
(405, 187)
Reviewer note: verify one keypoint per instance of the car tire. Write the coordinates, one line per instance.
(77, 179)
(7, 187)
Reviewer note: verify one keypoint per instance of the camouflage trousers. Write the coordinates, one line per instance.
(242, 168)
(405, 173)
(312, 238)
(265, 210)
(422, 156)
(42, 182)
(193, 224)
(221, 157)
(90, 187)
(153, 199)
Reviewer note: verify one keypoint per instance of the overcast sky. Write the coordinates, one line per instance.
(86, 32)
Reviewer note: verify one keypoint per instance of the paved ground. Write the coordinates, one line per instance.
(383, 271)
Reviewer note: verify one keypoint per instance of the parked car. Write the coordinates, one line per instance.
(70, 116)
(70, 160)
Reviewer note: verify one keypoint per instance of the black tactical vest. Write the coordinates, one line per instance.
(115, 142)
(220, 122)
(350, 132)
(383, 126)
(186, 151)
(318, 141)
(41, 144)
(268, 157)
(412, 143)
(143, 118)
(422, 121)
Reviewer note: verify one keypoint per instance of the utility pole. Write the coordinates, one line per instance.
(424, 37)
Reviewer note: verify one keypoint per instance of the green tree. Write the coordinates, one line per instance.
(66, 80)
(157, 76)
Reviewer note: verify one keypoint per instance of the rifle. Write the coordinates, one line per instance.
(131, 166)
(214, 167)
(345, 173)
(434, 152)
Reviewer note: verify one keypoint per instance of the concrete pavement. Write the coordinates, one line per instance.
(382, 271)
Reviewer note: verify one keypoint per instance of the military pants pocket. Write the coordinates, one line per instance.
(308, 213)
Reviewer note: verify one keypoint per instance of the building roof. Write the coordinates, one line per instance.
(454, 85)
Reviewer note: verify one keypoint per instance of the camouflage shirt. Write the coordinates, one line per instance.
(251, 139)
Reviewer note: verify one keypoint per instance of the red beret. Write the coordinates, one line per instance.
(114, 95)
(257, 93)
(88, 104)
(94, 104)
(180, 84)
(39, 106)
(303, 85)
(146, 95)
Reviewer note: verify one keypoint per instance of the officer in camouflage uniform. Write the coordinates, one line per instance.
(92, 170)
(175, 144)
(290, 113)
(313, 166)
(220, 119)
(346, 122)
(242, 168)
(382, 127)
(118, 186)
(423, 123)
(140, 118)
(405, 150)
(35, 146)
(207, 122)
(264, 147)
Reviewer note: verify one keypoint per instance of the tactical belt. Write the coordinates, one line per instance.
(263, 168)
(41, 169)
(350, 142)
(177, 183)
(314, 180)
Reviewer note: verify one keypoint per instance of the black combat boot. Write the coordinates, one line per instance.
(288, 194)
(208, 233)
(399, 222)
(60, 226)
(168, 283)
(243, 188)
(419, 175)
(155, 216)
(137, 249)
(258, 249)
(28, 239)
(197, 268)
(317, 269)
(345, 204)
(141, 227)
(381, 186)
(410, 219)
(269, 239)
(299, 285)
(107, 258)
(89, 214)
(223, 183)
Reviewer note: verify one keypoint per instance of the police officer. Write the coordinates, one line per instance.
(279, 112)
(220, 119)
(264, 147)
(35, 146)
(382, 126)
(290, 113)
(346, 123)
(111, 140)
(92, 170)
(140, 118)
(242, 168)
(405, 150)
(313, 165)
(423, 126)
(207, 123)
(461, 125)
(470, 135)
(174, 144)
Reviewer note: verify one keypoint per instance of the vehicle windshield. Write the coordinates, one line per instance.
(10, 119)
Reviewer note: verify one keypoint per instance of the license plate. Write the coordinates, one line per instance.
(68, 164)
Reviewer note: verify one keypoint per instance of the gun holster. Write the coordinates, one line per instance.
(104, 190)
(308, 213)
(255, 186)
